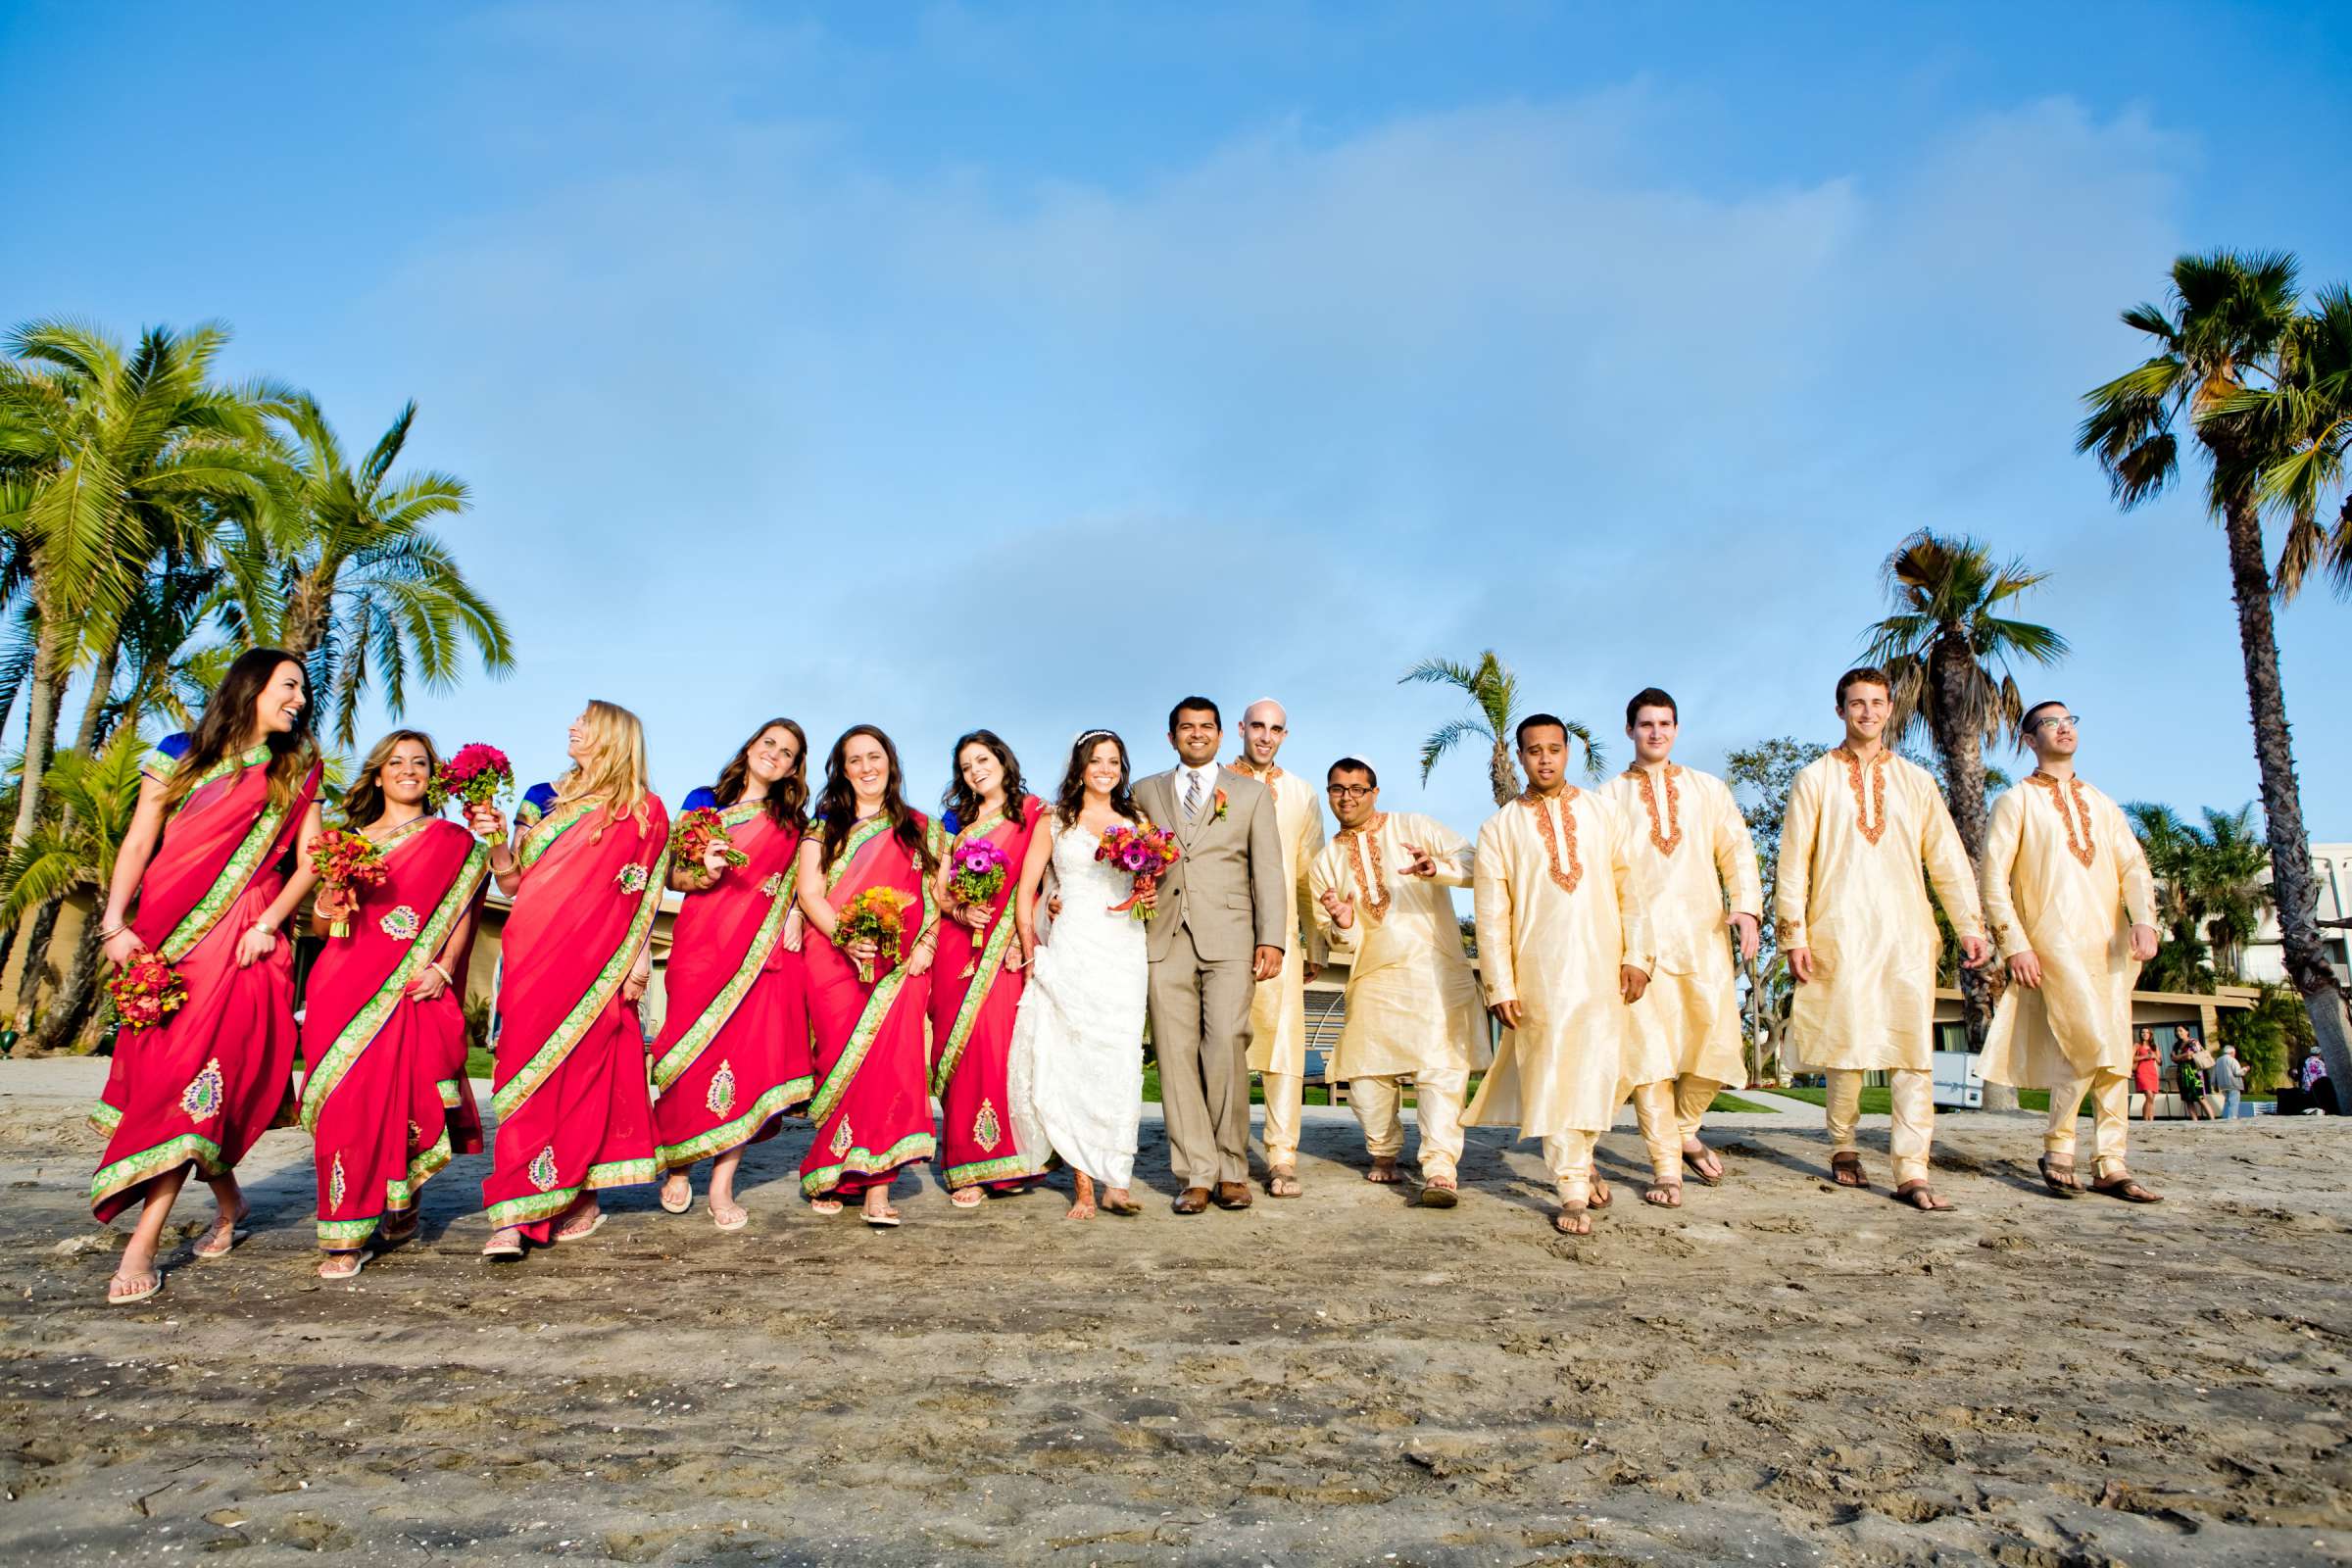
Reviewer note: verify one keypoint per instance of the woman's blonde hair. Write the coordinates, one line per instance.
(615, 773)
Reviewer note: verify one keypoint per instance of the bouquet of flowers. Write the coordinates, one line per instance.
(477, 774)
(979, 870)
(146, 992)
(1145, 853)
(695, 832)
(345, 862)
(876, 915)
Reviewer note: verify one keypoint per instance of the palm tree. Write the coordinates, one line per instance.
(2210, 891)
(73, 851)
(114, 459)
(2227, 321)
(369, 593)
(2308, 418)
(1948, 649)
(1492, 689)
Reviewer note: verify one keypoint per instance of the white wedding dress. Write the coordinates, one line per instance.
(1076, 1076)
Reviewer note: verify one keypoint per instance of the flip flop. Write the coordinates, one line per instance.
(1922, 1196)
(1843, 1166)
(668, 1207)
(743, 1218)
(155, 1277)
(594, 1225)
(359, 1261)
(2129, 1191)
(882, 1222)
(1690, 1166)
(2060, 1183)
(824, 1205)
(237, 1239)
(967, 1198)
(1434, 1196)
(1674, 1201)
(1604, 1194)
(1559, 1221)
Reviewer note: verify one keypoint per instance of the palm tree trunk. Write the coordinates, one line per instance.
(1502, 774)
(70, 1008)
(43, 925)
(40, 926)
(92, 733)
(2292, 886)
(305, 624)
(44, 696)
(1963, 750)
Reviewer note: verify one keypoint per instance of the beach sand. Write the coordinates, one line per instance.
(1779, 1373)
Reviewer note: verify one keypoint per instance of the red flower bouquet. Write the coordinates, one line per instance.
(477, 774)
(146, 992)
(695, 832)
(1145, 853)
(346, 861)
(876, 915)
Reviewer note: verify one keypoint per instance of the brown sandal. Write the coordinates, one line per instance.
(1577, 1213)
(1664, 1195)
(1922, 1196)
(1846, 1171)
(2060, 1179)
(2129, 1191)
(1692, 1167)
(1601, 1197)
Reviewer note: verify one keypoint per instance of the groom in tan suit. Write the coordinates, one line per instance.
(1224, 909)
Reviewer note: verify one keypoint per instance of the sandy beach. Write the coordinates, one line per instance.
(1779, 1373)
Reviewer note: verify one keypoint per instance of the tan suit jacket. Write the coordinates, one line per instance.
(1229, 888)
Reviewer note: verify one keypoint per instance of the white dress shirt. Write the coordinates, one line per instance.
(1207, 773)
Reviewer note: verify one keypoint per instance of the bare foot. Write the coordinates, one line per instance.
(1119, 1201)
(1082, 1206)
(1383, 1171)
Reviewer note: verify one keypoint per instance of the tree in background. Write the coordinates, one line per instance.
(1492, 690)
(2210, 893)
(73, 851)
(2231, 328)
(1761, 776)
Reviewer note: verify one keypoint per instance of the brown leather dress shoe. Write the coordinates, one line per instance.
(1192, 1201)
(1232, 1194)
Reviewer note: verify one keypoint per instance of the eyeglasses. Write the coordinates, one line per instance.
(1351, 792)
(2070, 720)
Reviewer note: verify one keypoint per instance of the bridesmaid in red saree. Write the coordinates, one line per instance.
(974, 989)
(383, 1022)
(872, 1109)
(220, 811)
(733, 1054)
(586, 871)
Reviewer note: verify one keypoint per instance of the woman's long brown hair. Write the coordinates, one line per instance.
(220, 735)
(787, 800)
(837, 807)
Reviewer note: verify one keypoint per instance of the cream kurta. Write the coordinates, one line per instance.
(1558, 911)
(2064, 877)
(1413, 1003)
(1691, 851)
(1278, 1006)
(1851, 889)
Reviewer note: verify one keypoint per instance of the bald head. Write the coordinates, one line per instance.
(1264, 728)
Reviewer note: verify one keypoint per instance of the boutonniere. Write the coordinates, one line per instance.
(633, 878)
(1219, 814)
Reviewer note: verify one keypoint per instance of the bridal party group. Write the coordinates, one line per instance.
(840, 954)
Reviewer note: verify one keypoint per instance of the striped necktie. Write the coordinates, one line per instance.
(1192, 796)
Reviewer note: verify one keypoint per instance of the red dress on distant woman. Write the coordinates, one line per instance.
(867, 1005)
(733, 1057)
(210, 859)
(586, 873)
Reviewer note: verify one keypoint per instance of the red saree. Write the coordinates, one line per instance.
(202, 1087)
(378, 1101)
(570, 1096)
(873, 1107)
(733, 1054)
(973, 999)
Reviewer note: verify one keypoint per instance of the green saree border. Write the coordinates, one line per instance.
(541, 834)
(988, 1170)
(726, 1135)
(197, 922)
(984, 979)
(861, 1039)
(567, 1034)
(104, 1119)
(859, 837)
(555, 1201)
(399, 1195)
(369, 1023)
(148, 1163)
(730, 995)
(866, 1163)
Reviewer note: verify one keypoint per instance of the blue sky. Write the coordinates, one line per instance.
(1033, 365)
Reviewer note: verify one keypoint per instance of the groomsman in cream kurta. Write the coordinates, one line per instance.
(1278, 1008)
(1564, 942)
(1860, 940)
(2073, 913)
(1413, 1006)
(1695, 857)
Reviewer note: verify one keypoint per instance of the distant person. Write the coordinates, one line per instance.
(2319, 1095)
(2189, 1079)
(2226, 1082)
(2147, 1073)
(2072, 910)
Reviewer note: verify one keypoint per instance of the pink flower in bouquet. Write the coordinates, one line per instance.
(1145, 853)
(477, 774)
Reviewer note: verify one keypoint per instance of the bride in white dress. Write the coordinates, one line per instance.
(1076, 1076)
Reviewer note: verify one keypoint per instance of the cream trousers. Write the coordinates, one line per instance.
(1285, 1092)
(1692, 1095)
(1660, 1120)
(1912, 1090)
(1570, 1156)
(2110, 1090)
(1438, 1107)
